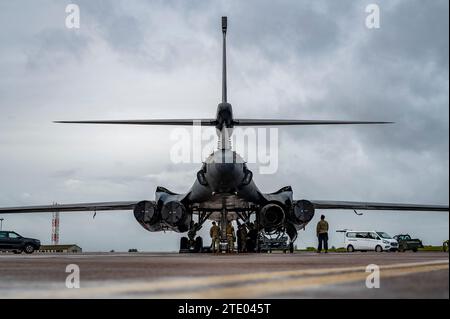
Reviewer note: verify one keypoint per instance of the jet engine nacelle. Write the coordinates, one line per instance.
(147, 214)
(272, 216)
(175, 216)
(302, 213)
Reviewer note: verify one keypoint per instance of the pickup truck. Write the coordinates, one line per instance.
(405, 242)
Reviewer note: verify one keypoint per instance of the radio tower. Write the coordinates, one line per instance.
(55, 227)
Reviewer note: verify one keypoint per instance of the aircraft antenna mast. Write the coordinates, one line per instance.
(55, 227)
(224, 60)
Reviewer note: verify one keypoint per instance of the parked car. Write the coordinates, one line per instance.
(369, 240)
(405, 242)
(12, 241)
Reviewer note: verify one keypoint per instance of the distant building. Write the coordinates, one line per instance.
(65, 249)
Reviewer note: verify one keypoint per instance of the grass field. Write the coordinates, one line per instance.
(432, 248)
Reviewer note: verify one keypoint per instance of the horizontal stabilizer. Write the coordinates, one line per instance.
(213, 122)
(204, 122)
(269, 122)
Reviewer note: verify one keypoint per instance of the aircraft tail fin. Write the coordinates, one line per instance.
(224, 110)
(224, 60)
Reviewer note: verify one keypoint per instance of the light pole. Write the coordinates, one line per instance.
(1, 223)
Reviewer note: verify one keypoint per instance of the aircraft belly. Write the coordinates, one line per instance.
(250, 193)
(199, 193)
(219, 201)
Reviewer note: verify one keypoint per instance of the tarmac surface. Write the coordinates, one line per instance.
(171, 275)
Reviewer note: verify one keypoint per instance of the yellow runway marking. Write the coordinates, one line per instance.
(259, 290)
(244, 285)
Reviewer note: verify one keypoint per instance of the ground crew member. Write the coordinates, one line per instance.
(322, 234)
(252, 236)
(191, 233)
(230, 237)
(445, 246)
(242, 239)
(214, 232)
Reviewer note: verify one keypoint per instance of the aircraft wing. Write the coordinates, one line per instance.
(82, 207)
(324, 204)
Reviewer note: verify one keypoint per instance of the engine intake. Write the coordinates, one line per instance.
(272, 216)
(147, 214)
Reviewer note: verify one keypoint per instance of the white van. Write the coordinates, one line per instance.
(369, 240)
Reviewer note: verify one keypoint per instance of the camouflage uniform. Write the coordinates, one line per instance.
(242, 237)
(230, 237)
(214, 232)
(192, 232)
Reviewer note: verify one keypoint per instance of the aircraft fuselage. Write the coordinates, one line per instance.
(224, 173)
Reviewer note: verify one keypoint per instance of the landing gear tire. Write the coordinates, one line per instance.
(379, 249)
(29, 249)
(184, 245)
(198, 245)
(350, 249)
(415, 250)
(291, 248)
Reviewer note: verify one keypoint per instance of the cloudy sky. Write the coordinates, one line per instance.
(161, 59)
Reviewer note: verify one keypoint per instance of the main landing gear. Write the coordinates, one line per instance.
(187, 246)
(193, 243)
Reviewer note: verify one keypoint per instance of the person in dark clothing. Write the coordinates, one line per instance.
(252, 236)
(322, 234)
(242, 238)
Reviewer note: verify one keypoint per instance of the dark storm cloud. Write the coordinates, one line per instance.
(421, 30)
(398, 73)
(289, 59)
(299, 28)
(408, 62)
